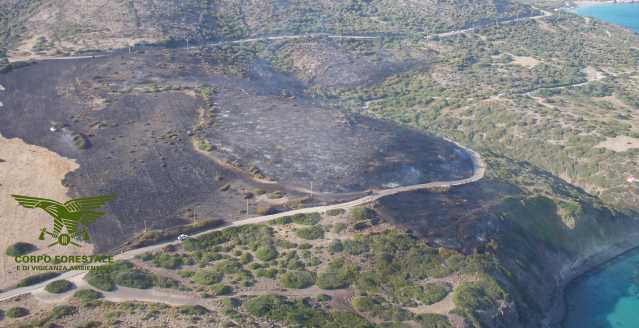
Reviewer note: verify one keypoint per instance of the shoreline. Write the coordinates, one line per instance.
(585, 3)
(587, 273)
(579, 270)
(574, 5)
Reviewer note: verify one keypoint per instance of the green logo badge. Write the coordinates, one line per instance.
(74, 215)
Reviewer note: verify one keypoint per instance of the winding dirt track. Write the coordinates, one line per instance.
(479, 170)
(303, 36)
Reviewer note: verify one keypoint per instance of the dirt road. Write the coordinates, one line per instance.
(478, 173)
(302, 36)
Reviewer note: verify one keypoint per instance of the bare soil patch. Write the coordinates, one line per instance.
(619, 143)
(527, 62)
(35, 171)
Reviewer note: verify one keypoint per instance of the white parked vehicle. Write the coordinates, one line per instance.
(183, 237)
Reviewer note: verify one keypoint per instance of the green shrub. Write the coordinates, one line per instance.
(336, 246)
(266, 253)
(60, 311)
(103, 278)
(166, 282)
(246, 258)
(432, 293)
(363, 303)
(134, 279)
(361, 225)
(362, 213)
(310, 233)
(192, 310)
(121, 273)
(339, 227)
(59, 286)
(20, 248)
(307, 219)
(338, 274)
(87, 295)
(324, 298)
(431, 320)
(16, 312)
(220, 290)
(100, 280)
(297, 279)
(264, 304)
(207, 277)
(335, 212)
(89, 324)
(37, 278)
(282, 220)
(167, 261)
(301, 314)
(204, 145)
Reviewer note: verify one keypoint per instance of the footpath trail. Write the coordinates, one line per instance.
(479, 170)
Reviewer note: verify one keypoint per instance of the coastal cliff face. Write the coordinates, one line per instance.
(541, 232)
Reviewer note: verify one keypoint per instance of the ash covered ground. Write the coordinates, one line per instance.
(134, 124)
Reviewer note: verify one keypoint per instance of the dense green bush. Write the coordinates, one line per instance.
(266, 253)
(100, 280)
(207, 277)
(307, 219)
(335, 212)
(59, 286)
(297, 279)
(19, 249)
(87, 295)
(432, 293)
(363, 303)
(121, 273)
(167, 261)
(166, 282)
(300, 313)
(16, 312)
(310, 233)
(61, 311)
(89, 324)
(37, 278)
(134, 279)
(221, 289)
(338, 274)
(362, 213)
(336, 246)
(431, 320)
(193, 310)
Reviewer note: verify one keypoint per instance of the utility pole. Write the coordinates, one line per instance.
(311, 189)
(187, 43)
(247, 207)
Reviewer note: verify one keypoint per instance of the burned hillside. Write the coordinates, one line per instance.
(181, 137)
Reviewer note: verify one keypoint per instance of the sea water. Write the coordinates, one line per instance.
(607, 297)
(624, 14)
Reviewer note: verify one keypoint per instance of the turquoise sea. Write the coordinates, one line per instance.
(624, 14)
(607, 297)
